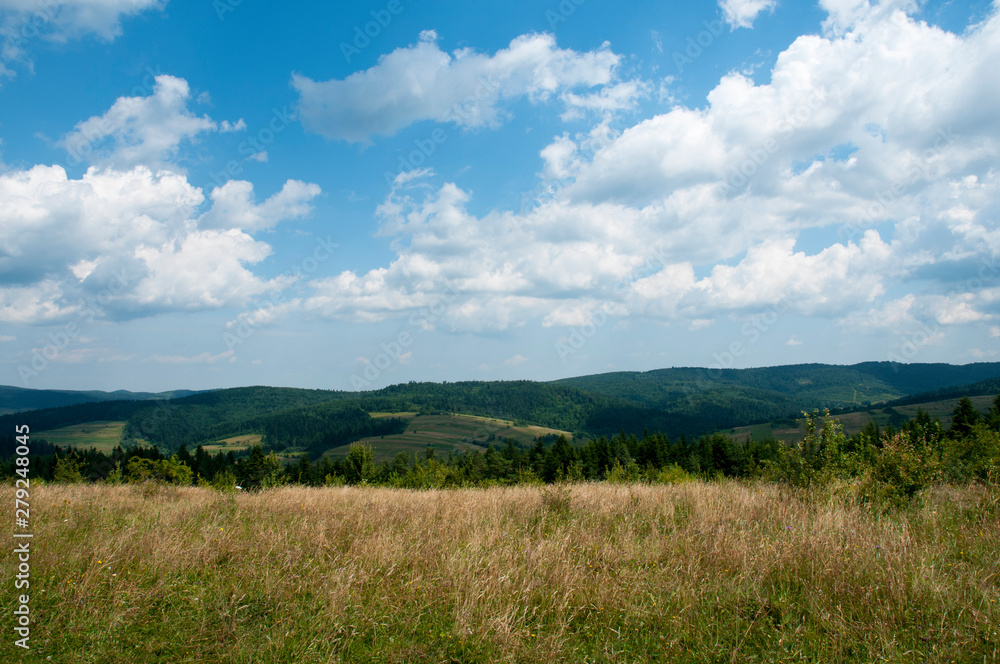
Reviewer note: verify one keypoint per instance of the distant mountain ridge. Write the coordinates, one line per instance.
(18, 399)
(676, 401)
(833, 386)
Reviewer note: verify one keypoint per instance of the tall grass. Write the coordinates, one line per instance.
(693, 572)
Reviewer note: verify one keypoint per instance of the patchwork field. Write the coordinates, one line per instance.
(104, 436)
(447, 433)
(692, 572)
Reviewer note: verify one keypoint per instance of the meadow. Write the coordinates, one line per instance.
(595, 572)
(102, 436)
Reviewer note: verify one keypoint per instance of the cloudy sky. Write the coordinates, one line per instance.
(221, 193)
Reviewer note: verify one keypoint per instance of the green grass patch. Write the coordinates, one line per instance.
(104, 436)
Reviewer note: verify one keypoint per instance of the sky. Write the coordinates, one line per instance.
(222, 193)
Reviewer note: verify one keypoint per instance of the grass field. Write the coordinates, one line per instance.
(693, 572)
(233, 444)
(446, 433)
(104, 436)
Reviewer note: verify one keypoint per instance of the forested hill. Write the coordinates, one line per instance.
(751, 393)
(16, 399)
(672, 401)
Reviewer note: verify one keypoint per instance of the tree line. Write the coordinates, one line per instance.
(885, 463)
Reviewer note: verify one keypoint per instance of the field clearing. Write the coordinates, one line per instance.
(450, 432)
(104, 436)
(693, 572)
(233, 444)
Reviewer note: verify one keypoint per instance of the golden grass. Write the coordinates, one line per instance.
(603, 573)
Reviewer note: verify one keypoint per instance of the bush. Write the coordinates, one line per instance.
(673, 474)
(224, 481)
(902, 469)
(169, 470)
(67, 471)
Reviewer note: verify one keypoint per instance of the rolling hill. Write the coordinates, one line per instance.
(676, 401)
(18, 399)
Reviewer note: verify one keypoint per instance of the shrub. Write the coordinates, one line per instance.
(67, 471)
(169, 470)
(902, 469)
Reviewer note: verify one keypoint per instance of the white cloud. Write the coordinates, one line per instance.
(515, 360)
(610, 98)
(793, 342)
(140, 130)
(994, 331)
(469, 89)
(21, 21)
(6, 337)
(883, 125)
(203, 358)
(133, 234)
(233, 206)
(564, 262)
(741, 13)
(226, 126)
(132, 230)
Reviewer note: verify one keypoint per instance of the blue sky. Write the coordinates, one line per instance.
(211, 194)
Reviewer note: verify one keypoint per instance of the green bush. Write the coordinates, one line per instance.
(902, 469)
(169, 470)
(67, 471)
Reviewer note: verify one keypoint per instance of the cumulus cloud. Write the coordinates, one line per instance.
(24, 20)
(468, 89)
(233, 206)
(132, 234)
(141, 130)
(741, 13)
(876, 142)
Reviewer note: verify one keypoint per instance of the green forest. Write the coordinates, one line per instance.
(888, 464)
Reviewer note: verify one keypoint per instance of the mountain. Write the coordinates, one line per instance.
(764, 394)
(17, 399)
(674, 401)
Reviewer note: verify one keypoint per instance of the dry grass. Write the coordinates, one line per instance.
(694, 572)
